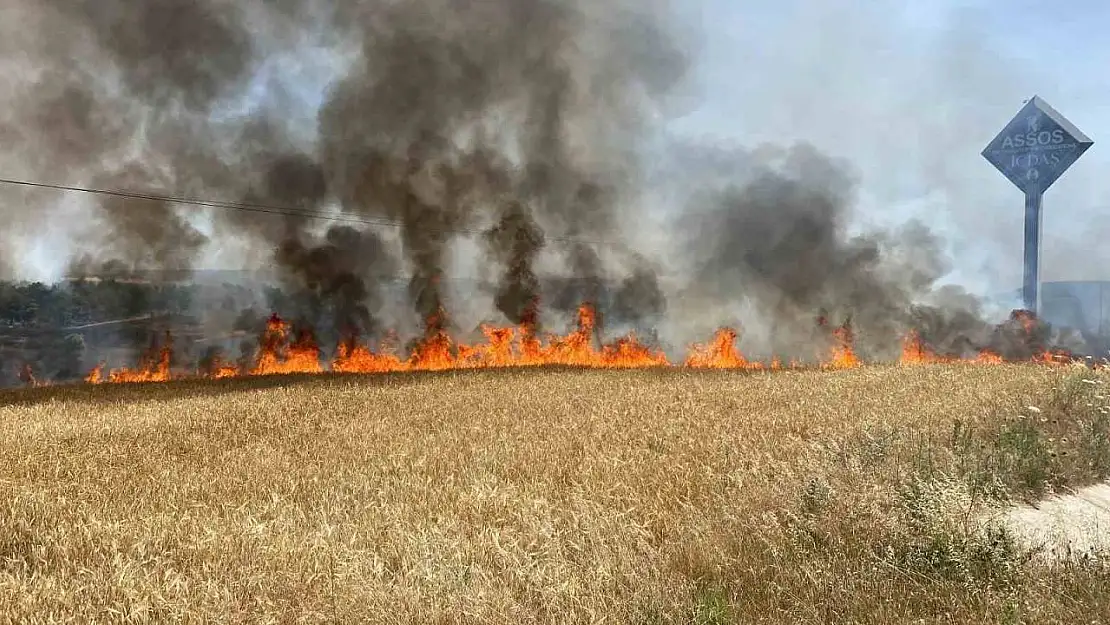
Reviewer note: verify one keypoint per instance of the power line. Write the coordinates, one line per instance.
(270, 209)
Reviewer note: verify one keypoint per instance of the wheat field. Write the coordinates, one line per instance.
(546, 496)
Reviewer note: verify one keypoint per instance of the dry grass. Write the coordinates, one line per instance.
(527, 497)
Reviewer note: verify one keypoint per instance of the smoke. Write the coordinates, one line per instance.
(523, 114)
(514, 243)
(775, 239)
(520, 127)
(521, 119)
(141, 234)
(331, 279)
(910, 94)
(777, 243)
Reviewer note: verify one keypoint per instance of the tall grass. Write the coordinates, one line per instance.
(548, 497)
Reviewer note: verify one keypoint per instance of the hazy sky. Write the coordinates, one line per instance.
(910, 93)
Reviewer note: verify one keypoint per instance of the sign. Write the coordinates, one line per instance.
(1033, 150)
(1036, 147)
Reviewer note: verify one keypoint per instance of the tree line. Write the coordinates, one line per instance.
(68, 304)
(40, 336)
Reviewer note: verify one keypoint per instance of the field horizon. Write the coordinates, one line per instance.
(550, 495)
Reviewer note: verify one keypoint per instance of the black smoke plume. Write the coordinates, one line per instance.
(333, 282)
(514, 243)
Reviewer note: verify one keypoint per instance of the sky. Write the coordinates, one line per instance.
(910, 93)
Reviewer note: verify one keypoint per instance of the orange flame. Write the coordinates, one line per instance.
(988, 357)
(277, 355)
(222, 369)
(96, 376)
(720, 353)
(154, 366)
(504, 347)
(914, 351)
(843, 355)
(282, 351)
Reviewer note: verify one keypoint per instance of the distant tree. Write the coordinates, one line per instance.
(11, 305)
(17, 307)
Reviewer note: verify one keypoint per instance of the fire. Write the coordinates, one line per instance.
(278, 355)
(27, 376)
(96, 376)
(720, 353)
(221, 369)
(843, 355)
(1027, 320)
(284, 349)
(504, 347)
(154, 366)
(1052, 358)
(914, 351)
(1022, 322)
(628, 353)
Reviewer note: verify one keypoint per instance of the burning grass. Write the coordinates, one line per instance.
(285, 351)
(514, 496)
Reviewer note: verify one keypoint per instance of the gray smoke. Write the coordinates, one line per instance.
(521, 124)
(777, 243)
(521, 117)
(411, 133)
(141, 234)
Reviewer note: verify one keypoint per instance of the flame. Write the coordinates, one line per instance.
(843, 356)
(720, 353)
(914, 351)
(280, 356)
(1052, 358)
(987, 357)
(282, 351)
(154, 366)
(96, 375)
(504, 347)
(222, 369)
(27, 376)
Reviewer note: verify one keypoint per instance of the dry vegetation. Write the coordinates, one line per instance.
(559, 496)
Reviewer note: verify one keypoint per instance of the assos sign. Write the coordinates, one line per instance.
(1036, 147)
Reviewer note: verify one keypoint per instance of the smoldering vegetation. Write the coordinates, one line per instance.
(518, 126)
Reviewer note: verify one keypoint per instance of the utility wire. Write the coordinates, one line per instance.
(257, 208)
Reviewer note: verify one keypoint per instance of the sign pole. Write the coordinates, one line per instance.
(1032, 275)
(1032, 151)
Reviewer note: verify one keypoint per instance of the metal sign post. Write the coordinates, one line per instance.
(1031, 276)
(1032, 151)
